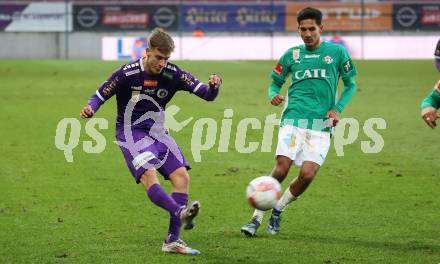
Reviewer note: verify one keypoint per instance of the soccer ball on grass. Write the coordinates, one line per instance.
(263, 192)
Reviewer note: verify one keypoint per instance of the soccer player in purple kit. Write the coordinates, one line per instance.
(142, 89)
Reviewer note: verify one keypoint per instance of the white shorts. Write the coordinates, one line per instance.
(301, 145)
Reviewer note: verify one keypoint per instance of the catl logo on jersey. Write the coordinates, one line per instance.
(278, 69)
(310, 73)
(150, 83)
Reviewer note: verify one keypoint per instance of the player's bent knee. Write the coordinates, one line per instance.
(149, 178)
(180, 178)
(283, 164)
(282, 169)
(308, 175)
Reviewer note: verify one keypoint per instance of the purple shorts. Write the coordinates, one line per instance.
(144, 151)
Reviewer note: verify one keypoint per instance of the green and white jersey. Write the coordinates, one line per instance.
(433, 99)
(315, 75)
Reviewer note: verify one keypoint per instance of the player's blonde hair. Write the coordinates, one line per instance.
(161, 40)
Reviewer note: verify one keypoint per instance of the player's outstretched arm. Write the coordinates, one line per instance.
(92, 107)
(87, 112)
(208, 91)
(104, 92)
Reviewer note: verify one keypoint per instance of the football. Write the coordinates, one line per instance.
(263, 192)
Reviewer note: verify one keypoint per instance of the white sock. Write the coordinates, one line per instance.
(285, 200)
(258, 215)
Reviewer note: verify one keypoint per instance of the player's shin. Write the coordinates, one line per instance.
(160, 198)
(258, 215)
(285, 200)
(175, 222)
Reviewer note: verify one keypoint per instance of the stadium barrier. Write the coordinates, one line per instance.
(271, 48)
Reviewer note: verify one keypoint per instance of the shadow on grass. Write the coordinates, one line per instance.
(349, 241)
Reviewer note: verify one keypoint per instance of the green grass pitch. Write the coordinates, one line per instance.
(362, 208)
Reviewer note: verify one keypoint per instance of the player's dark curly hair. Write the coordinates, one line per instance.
(161, 40)
(310, 13)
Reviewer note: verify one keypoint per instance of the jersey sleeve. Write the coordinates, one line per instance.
(279, 74)
(433, 99)
(282, 69)
(187, 82)
(346, 67)
(348, 92)
(107, 89)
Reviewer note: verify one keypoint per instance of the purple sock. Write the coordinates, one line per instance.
(160, 198)
(175, 223)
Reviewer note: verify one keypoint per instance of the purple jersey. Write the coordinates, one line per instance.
(141, 100)
(131, 80)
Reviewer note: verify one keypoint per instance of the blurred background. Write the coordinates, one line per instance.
(213, 30)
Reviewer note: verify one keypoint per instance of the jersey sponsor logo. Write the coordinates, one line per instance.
(150, 91)
(278, 69)
(135, 96)
(348, 66)
(136, 88)
(296, 54)
(171, 67)
(162, 93)
(142, 158)
(437, 87)
(185, 78)
(312, 56)
(310, 73)
(328, 59)
(150, 83)
(132, 72)
(111, 86)
(132, 65)
(167, 75)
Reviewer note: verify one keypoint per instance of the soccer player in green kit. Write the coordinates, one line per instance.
(311, 109)
(432, 102)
